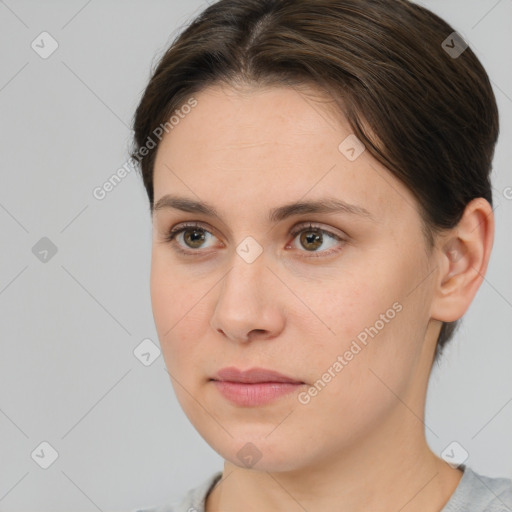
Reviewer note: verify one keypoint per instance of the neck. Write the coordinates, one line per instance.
(388, 470)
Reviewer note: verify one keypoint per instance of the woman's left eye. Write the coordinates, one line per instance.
(311, 238)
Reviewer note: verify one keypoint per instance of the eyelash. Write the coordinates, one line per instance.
(173, 233)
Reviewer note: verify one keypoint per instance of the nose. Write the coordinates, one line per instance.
(248, 304)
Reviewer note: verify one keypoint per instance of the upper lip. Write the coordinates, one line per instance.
(252, 375)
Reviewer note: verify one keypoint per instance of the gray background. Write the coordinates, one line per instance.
(69, 326)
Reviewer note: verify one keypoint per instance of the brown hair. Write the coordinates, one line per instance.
(385, 64)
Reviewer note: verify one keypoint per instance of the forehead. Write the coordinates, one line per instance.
(244, 117)
(269, 146)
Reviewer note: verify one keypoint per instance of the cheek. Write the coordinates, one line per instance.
(350, 303)
(372, 321)
(162, 292)
(354, 374)
(173, 291)
(170, 301)
(180, 311)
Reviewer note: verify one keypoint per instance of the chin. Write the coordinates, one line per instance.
(255, 449)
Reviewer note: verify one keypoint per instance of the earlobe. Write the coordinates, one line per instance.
(463, 253)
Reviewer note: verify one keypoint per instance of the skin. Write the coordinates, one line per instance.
(359, 444)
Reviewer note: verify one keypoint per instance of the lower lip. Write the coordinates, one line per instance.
(254, 394)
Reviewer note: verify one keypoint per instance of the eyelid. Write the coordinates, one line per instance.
(315, 226)
(191, 225)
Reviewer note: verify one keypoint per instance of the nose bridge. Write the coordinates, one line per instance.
(245, 301)
(243, 283)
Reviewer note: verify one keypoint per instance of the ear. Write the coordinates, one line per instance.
(462, 256)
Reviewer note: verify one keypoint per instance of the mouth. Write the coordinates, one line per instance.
(253, 376)
(253, 387)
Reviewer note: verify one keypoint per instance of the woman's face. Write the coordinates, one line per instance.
(343, 311)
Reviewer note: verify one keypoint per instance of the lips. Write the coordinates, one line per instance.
(254, 387)
(253, 376)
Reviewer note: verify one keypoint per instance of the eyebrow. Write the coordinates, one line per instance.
(324, 205)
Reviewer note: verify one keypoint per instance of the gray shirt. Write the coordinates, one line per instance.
(475, 493)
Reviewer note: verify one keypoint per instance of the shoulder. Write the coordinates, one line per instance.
(499, 491)
(480, 493)
(193, 500)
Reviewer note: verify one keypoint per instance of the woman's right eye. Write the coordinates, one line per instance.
(192, 234)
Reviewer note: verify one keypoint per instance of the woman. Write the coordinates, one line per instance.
(318, 177)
